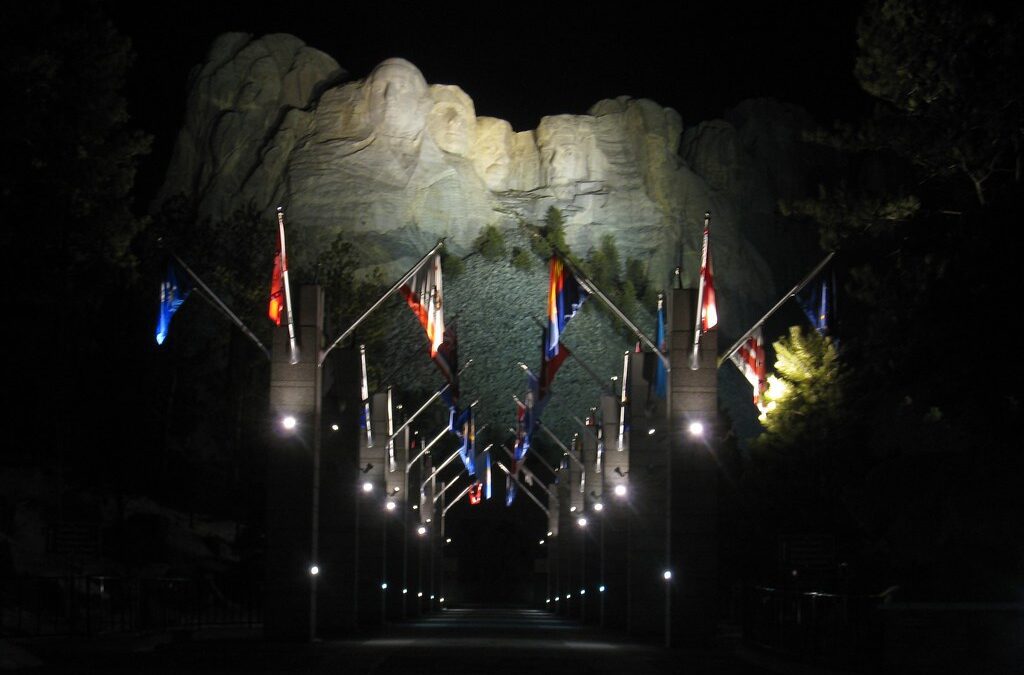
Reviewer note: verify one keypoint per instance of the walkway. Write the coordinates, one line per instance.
(471, 640)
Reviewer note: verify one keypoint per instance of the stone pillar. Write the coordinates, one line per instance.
(694, 486)
(648, 501)
(612, 610)
(292, 472)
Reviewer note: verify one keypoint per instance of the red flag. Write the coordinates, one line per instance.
(277, 283)
(423, 295)
(706, 293)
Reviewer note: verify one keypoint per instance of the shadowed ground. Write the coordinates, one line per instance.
(469, 640)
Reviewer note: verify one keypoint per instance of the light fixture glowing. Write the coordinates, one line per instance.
(367, 486)
(404, 591)
(620, 490)
(572, 509)
(650, 432)
(583, 591)
(551, 534)
(696, 429)
(568, 595)
(547, 601)
(431, 597)
(667, 574)
(442, 599)
(600, 589)
(582, 522)
(420, 594)
(384, 586)
(390, 505)
(415, 507)
(314, 570)
(334, 427)
(448, 540)
(421, 530)
(289, 422)
(599, 506)
(557, 598)
(428, 520)
(541, 542)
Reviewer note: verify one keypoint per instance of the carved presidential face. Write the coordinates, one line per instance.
(492, 152)
(397, 99)
(563, 155)
(452, 119)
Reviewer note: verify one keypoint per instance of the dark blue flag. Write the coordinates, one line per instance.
(171, 298)
(660, 374)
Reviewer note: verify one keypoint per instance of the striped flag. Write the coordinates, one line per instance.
(277, 295)
(750, 360)
(707, 308)
(424, 296)
(565, 297)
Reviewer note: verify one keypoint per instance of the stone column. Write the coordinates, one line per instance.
(292, 476)
(694, 486)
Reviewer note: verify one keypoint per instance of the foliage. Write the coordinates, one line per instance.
(521, 259)
(550, 237)
(490, 243)
(952, 78)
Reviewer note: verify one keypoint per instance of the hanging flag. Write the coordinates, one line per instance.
(660, 374)
(424, 296)
(465, 429)
(510, 490)
(818, 306)
(447, 361)
(707, 308)
(549, 366)
(750, 360)
(277, 296)
(475, 493)
(565, 297)
(487, 474)
(171, 298)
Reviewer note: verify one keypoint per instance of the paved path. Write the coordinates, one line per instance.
(491, 641)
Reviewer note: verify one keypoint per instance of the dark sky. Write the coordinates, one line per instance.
(521, 62)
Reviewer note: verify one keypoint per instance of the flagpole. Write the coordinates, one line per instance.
(796, 289)
(531, 475)
(523, 487)
(615, 310)
(423, 407)
(364, 392)
(220, 305)
(292, 344)
(398, 284)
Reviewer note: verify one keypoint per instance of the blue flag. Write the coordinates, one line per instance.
(510, 490)
(565, 297)
(171, 298)
(465, 429)
(817, 306)
(660, 375)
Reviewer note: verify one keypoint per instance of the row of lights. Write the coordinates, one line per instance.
(666, 575)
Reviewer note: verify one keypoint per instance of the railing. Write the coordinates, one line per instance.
(93, 605)
(822, 628)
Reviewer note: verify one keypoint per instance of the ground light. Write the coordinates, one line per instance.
(367, 486)
(384, 586)
(667, 574)
(289, 422)
(598, 506)
(620, 490)
(421, 530)
(334, 427)
(696, 429)
(541, 542)
(600, 589)
(582, 522)
(390, 505)
(314, 570)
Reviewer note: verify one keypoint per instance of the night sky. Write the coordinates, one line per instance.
(523, 62)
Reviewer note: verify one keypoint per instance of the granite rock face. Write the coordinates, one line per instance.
(395, 163)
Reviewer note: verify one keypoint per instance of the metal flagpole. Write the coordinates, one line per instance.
(437, 394)
(398, 284)
(793, 291)
(590, 286)
(219, 304)
(523, 487)
(292, 344)
(622, 400)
